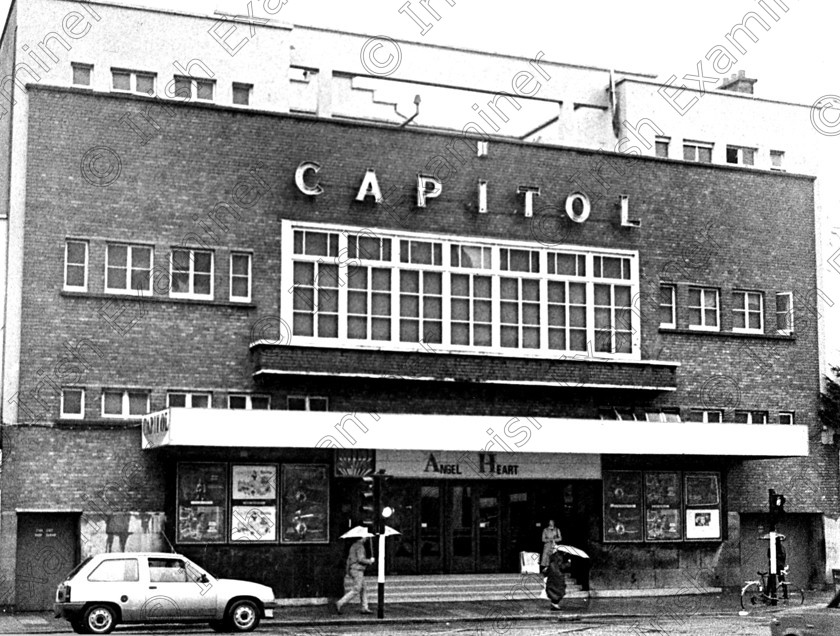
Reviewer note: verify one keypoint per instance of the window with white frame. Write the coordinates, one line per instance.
(697, 151)
(665, 415)
(240, 276)
(191, 274)
(713, 416)
(784, 313)
(120, 403)
(194, 88)
(72, 403)
(242, 93)
(751, 417)
(703, 308)
(133, 81)
(786, 417)
(668, 306)
(76, 265)
(748, 311)
(307, 403)
(399, 290)
(188, 400)
(81, 74)
(777, 159)
(740, 155)
(249, 401)
(128, 269)
(662, 145)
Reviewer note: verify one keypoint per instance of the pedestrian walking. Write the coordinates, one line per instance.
(555, 582)
(354, 576)
(550, 535)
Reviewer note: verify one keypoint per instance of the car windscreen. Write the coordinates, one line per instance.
(76, 569)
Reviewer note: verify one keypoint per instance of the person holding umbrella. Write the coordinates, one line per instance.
(354, 575)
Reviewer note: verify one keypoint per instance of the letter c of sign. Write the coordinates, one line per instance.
(585, 207)
(300, 175)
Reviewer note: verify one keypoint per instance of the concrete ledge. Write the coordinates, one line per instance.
(302, 602)
(654, 591)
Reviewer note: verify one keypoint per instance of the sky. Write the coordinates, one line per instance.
(795, 60)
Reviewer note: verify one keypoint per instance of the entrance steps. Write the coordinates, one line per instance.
(444, 588)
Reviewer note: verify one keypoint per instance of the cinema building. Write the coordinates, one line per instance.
(222, 311)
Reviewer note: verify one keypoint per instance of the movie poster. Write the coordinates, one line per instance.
(622, 506)
(254, 503)
(663, 518)
(202, 503)
(304, 503)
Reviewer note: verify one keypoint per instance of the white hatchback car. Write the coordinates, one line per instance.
(157, 587)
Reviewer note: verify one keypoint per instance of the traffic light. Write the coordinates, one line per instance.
(777, 507)
(368, 507)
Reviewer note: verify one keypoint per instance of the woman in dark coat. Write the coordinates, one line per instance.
(555, 583)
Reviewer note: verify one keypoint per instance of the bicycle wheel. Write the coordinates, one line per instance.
(751, 596)
(790, 595)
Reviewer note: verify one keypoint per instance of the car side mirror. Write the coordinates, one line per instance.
(203, 579)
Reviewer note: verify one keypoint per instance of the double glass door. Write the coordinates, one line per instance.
(447, 528)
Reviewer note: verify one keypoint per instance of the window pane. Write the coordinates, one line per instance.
(167, 571)
(241, 94)
(236, 402)
(177, 399)
(81, 75)
(138, 403)
(145, 84)
(116, 571)
(203, 261)
(204, 89)
(112, 403)
(689, 153)
(76, 251)
(259, 402)
(183, 88)
(239, 288)
(704, 155)
(731, 154)
(748, 156)
(662, 149)
(317, 404)
(72, 401)
(296, 403)
(239, 264)
(200, 401)
(202, 285)
(121, 81)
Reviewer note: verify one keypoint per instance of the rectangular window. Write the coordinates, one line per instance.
(784, 313)
(786, 417)
(707, 417)
(664, 415)
(82, 74)
(194, 88)
(249, 402)
(397, 290)
(668, 306)
(748, 312)
(188, 400)
(116, 571)
(703, 309)
(133, 81)
(191, 274)
(128, 269)
(76, 265)
(72, 404)
(124, 404)
(740, 155)
(751, 417)
(777, 159)
(662, 144)
(306, 403)
(242, 93)
(697, 151)
(240, 277)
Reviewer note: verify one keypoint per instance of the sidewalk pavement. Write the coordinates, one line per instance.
(500, 613)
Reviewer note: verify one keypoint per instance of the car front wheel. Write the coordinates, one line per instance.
(243, 616)
(78, 626)
(99, 619)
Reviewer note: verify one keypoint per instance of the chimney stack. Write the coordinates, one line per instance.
(739, 83)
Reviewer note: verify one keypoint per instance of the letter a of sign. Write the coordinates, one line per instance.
(369, 186)
(431, 463)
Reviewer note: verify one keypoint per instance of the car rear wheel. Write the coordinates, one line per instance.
(243, 616)
(99, 619)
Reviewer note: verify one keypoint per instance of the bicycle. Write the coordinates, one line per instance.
(754, 593)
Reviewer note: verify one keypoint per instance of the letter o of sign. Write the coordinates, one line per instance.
(300, 175)
(585, 207)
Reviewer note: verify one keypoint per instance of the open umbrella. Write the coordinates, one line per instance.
(355, 533)
(389, 531)
(559, 547)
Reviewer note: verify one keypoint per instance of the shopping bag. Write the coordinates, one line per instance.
(529, 563)
(543, 593)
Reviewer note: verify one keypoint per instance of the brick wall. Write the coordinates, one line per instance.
(701, 225)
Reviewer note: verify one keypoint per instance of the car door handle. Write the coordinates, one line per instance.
(153, 587)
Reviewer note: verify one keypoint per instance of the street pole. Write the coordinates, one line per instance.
(771, 577)
(380, 601)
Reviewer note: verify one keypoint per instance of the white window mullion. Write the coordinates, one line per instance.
(343, 286)
(590, 317)
(543, 279)
(495, 293)
(446, 301)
